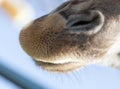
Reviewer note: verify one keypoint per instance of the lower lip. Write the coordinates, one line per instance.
(64, 67)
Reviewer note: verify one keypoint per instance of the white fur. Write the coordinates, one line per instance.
(112, 58)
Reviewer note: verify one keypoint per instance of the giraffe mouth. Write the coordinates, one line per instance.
(59, 67)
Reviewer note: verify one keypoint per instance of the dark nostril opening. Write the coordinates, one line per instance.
(81, 23)
(84, 22)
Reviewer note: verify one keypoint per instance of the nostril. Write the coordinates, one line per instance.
(86, 23)
(79, 22)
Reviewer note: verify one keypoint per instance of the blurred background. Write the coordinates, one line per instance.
(14, 15)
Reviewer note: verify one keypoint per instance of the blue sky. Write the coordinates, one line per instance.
(11, 53)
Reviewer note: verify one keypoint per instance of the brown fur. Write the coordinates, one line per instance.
(56, 48)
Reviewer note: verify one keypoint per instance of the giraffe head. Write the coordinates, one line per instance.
(76, 34)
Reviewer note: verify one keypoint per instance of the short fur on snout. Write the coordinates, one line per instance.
(61, 41)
